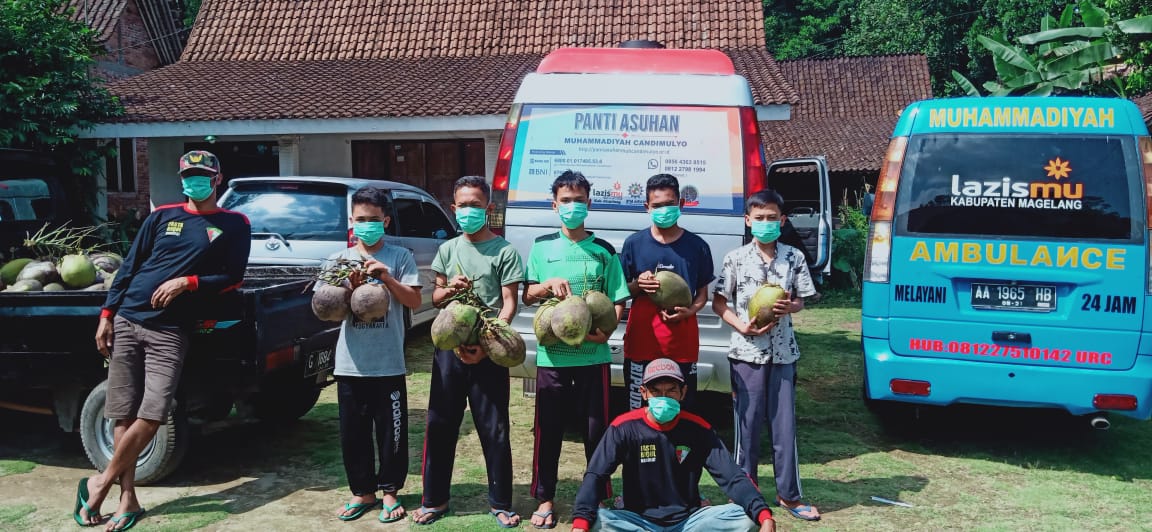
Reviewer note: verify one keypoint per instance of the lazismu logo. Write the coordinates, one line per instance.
(1009, 193)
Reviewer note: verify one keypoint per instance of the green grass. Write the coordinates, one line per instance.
(13, 517)
(964, 468)
(15, 467)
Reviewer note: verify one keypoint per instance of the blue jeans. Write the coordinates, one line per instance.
(723, 518)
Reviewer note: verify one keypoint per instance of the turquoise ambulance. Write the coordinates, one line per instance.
(1008, 259)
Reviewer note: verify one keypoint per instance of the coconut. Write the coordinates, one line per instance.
(54, 287)
(27, 285)
(603, 312)
(542, 325)
(105, 261)
(760, 306)
(98, 287)
(77, 271)
(109, 278)
(454, 325)
(503, 344)
(370, 302)
(673, 292)
(330, 303)
(12, 269)
(570, 320)
(42, 271)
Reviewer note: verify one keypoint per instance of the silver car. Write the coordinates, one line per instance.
(303, 220)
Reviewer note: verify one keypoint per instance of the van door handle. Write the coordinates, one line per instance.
(1012, 336)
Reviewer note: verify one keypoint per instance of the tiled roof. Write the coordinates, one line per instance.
(1145, 105)
(191, 91)
(286, 30)
(100, 15)
(848, 107)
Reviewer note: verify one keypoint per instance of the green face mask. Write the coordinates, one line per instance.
(471, 219)
(197, 187)
(766, 231)
(368, 232)
(665, 217)
(663, 409)
(572, 215)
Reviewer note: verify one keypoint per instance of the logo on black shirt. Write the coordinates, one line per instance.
(174, 229)
(647, 453)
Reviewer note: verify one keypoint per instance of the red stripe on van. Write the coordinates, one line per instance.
(636, 61)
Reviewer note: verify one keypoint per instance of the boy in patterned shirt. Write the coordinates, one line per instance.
(763, 359)
(565, 264)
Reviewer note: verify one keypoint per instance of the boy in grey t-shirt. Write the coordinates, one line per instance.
(370, 366)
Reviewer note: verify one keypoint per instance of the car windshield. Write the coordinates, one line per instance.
(295, 211)
(1068, 187)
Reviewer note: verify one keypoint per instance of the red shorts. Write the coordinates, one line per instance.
(648, 337)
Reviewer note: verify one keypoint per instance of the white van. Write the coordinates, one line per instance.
(621, 115)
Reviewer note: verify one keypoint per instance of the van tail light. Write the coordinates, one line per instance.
(351, 238)
(755, 177)
(279, 358)
(910, 387)
(1105, 401)
(502, 176)
(1146, 159)
(878, 257)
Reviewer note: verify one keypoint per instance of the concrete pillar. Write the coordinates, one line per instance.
(289, 155)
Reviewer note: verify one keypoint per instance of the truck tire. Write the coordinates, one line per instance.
(160, 458)
(282, 400)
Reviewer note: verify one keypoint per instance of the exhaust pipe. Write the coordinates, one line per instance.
(1100, 423)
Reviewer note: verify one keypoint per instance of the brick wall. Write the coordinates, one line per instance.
(130, 49)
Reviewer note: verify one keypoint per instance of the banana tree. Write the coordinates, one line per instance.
(1061, 56)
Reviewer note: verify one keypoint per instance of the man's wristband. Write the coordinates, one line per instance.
(764, 515)
(106, 313)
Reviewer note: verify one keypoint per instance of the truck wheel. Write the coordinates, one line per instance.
(285, 400)
(160, 457)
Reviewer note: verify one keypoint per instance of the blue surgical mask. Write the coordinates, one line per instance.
(368, 232)
(663, 409)
(572, 215)
(665, 217)
(471, 219)
(197, 187)
(766, 231)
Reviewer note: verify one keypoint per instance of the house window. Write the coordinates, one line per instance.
(120, 167)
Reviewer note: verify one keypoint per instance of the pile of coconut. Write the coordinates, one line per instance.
(63, 262)
(467, 320)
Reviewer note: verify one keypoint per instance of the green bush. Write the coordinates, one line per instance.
(849, 243)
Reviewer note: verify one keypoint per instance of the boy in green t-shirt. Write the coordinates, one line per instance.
(493, 268)
(567, 264)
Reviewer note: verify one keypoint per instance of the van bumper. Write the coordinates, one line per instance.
(1011, 385)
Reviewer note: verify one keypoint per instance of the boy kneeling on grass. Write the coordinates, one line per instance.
(370, 366)
(763, 358)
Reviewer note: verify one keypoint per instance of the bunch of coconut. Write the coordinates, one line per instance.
(760, 311)
(74, 271)
(463, 322)
(335, 299)
(571, 319)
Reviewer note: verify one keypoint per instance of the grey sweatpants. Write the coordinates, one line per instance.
(767, 391)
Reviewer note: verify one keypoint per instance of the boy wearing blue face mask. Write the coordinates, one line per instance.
(370, 387)
(664, 451)
(487, 263)
(566, 264)
(763, 359)
(651, 332)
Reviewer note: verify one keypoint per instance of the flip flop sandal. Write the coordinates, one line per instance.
(435, 514)
(82, 502)
(358, 509)
(387, 511)
(545, 516)
(508, 514)
(796, 512)
(128, 518)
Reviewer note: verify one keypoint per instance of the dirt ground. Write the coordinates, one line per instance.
(251, 476)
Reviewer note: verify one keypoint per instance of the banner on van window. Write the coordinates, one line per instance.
(619, 147)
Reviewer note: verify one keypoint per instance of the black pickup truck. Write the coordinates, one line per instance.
(260, 351)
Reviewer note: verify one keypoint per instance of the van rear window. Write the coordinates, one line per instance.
(1078, 187)
(618, 147)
